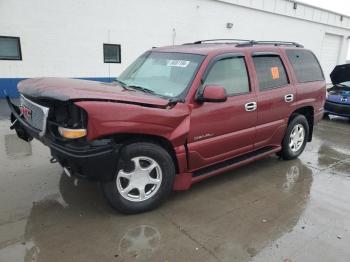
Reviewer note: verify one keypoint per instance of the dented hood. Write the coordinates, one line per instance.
(340, 74)
(65, 89)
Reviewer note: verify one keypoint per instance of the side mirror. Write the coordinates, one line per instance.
(213, 93)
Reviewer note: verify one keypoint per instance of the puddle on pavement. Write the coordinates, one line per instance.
(16, 148)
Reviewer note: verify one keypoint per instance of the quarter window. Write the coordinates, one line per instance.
(231, 73)
(111, 53)
(305, 66)
(270, 71)
(10, 48)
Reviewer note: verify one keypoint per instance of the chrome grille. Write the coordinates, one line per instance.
(38, 114)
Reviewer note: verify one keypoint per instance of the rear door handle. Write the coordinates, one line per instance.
(251, 106)
(289, 98)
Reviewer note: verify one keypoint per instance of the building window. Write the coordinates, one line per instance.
(10, 48)
(270, 72)
(111, 53)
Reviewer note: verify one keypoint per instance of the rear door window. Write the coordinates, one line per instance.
(231, 73)
(305, 65)
(270, 71)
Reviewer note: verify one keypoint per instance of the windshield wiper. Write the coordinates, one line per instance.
(121, 83)
(141, 88)
(175, 100)
(133, 87)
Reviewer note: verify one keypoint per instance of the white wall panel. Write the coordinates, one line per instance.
(65, 38)
(330, 53)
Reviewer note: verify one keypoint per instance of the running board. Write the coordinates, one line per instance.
(232, 163)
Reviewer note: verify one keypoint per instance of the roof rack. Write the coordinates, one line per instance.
(235, 41)
(275, 43)
(245, 42)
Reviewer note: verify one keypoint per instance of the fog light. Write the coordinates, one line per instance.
(72, 133)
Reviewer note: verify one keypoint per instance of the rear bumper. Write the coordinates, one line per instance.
(318, 116)
(337, 109)
(93, 160)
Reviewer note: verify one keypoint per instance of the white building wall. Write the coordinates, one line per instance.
(64, 38)
(302, 11)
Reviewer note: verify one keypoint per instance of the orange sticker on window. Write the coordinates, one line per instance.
(275, 73)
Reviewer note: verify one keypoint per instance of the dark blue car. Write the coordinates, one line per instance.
(338, 96)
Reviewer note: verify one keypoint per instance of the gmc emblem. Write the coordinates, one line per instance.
(26, 112)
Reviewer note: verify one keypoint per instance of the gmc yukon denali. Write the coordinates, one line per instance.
(176, 116)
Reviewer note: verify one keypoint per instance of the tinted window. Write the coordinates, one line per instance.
(111, 53)
(305, 65)
(230, 73)
(270, 71)
(10, 48)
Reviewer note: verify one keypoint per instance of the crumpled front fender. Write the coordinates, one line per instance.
(108, 118)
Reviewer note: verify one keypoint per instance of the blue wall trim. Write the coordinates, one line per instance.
(9, 85)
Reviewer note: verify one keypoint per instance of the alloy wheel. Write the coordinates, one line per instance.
(142, 182)
(297, 137)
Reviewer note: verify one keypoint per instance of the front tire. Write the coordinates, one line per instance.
(144, 178)
(295, 139)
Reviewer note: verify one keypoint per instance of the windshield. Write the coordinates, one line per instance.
(164, 74)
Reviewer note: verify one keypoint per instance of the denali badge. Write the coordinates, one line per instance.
(207, 135)
(26, 112)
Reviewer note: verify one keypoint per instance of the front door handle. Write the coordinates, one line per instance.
(289, 98)
(251, 106)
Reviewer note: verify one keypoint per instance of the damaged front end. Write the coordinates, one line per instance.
(62, 126)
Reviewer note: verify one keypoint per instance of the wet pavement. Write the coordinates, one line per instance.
(271, 210)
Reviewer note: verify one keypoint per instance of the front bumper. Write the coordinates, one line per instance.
(97, 160)
(93, 160)
(337, 109)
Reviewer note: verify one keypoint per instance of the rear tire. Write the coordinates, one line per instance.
(143, 180)
(295, 139)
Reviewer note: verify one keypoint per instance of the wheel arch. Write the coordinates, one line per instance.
(308, 112)
(130, 138)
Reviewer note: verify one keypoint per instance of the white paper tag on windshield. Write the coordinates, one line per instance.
(178, 63)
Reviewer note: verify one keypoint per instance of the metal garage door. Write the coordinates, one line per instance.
(330, 53)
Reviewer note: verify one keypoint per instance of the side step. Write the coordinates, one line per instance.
(232, 163)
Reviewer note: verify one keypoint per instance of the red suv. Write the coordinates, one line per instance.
(176, 116)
